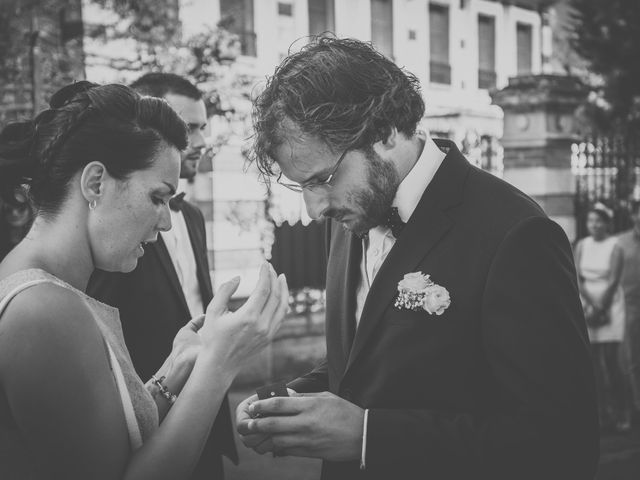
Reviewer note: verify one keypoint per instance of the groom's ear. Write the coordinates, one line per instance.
(385, 147)
(391, 141)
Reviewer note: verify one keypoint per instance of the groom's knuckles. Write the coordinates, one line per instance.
(244, 427)
(269, 406)
(261, 425)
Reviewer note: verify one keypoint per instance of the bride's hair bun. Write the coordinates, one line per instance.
(66, 94)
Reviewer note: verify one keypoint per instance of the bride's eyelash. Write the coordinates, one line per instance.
(158, 201)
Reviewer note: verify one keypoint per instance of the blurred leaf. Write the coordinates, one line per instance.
(606, 34)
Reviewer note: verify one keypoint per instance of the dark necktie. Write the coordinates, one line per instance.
(394, 222)
(176, 202)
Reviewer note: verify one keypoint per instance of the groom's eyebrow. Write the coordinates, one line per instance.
(316, 176)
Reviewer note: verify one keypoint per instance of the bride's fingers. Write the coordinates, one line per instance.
(283, 304)
(256, 301)
(221, 299)
(196, 323)
(274, 298)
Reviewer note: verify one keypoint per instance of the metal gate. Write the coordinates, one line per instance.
(606, 169)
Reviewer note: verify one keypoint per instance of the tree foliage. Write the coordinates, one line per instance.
(36, 56)
(606, 33)
(151, 34)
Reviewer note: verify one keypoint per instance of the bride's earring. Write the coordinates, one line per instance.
(92, 205)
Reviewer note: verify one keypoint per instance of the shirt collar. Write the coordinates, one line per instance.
(419, 177)
(184, 186)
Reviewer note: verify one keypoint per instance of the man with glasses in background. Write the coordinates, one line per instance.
(171, 283)
(456, 343)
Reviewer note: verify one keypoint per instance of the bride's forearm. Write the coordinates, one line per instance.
(187, 425)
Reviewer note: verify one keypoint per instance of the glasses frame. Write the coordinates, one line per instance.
(296, 187)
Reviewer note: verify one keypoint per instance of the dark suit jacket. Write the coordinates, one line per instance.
(153, 308)
(500, 386)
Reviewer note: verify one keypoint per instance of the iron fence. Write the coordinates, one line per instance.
(607, 170)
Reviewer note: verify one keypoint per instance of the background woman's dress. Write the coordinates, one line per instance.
(595, 265)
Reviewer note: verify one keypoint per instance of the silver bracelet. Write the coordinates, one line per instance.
(164, 391)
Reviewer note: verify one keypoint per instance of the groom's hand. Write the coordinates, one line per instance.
(243, 416)
(319, 425)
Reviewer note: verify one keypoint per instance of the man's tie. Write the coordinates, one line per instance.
(176, 202)
(394, 222)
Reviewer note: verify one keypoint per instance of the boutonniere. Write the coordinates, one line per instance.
(416, 291)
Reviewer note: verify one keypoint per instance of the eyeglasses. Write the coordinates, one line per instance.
(313, 186)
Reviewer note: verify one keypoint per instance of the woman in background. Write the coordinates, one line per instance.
(599, 266)
(101, 165)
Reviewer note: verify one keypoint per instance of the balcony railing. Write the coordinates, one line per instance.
(486, 79)
(440, 72)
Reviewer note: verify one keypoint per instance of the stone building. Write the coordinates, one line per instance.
(461, 50)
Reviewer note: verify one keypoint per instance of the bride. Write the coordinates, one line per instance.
(101, 165)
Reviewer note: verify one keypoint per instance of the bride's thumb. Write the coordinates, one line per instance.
(221, 299)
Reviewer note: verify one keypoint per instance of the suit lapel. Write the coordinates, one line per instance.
(344, 267)
(425, 229)
(199, 248)
(167, 265)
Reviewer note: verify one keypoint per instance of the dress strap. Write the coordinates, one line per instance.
(8, 297)
(135, 437)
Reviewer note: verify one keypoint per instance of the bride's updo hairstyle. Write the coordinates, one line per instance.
(86, 122)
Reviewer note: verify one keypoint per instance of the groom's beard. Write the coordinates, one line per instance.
(372, 202)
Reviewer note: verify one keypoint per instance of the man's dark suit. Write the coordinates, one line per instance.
(499, 386)
(152, 310)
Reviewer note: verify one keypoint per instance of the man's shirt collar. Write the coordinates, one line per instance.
(412, 187)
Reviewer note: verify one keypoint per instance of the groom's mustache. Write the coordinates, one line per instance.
(336, 213)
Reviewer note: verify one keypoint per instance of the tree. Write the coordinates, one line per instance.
(606, 33)
(127, 37)
(40, 51)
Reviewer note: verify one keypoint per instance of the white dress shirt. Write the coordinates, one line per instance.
(378, 243)
(184, 261)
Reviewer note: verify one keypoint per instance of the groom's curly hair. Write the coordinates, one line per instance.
(341, 91)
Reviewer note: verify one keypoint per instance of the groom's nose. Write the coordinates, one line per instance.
(316, 203)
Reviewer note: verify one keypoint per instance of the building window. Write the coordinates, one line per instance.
(321, 16)
(486, 51)
(439, 66)
(382, 26)
(524, 41)
(285, 9)
(237, 16)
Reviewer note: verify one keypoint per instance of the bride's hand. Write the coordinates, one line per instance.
(236, 336)
(187, 343)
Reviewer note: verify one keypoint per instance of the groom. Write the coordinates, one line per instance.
(456, 344)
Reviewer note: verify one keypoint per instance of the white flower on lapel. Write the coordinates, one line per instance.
(417, 291)
(436, 300)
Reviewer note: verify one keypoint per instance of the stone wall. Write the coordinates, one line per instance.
(41, 50)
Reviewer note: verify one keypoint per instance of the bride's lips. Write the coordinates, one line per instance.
(141, 245)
